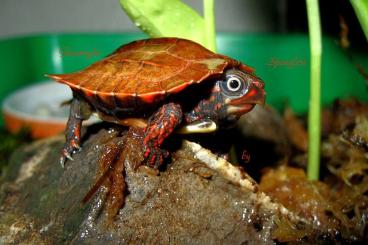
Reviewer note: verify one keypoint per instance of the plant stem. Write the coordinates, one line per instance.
(209, 24)
(314, 120)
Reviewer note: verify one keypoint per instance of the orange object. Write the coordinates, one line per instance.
(38, 128)
(37, 107)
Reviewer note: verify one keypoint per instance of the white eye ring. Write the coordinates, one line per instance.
(233, 81)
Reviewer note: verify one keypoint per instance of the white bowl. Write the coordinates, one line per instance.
(38, 107)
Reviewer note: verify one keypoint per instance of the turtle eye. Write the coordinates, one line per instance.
(234, 86)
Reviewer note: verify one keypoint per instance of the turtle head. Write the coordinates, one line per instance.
(234, 94)
(239, 93)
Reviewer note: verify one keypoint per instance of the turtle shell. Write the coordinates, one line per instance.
(146, 70)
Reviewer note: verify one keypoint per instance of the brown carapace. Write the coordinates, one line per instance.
(160, 84)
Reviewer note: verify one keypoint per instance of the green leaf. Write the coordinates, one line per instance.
(209, 24)
(361, 10)
(166, 18)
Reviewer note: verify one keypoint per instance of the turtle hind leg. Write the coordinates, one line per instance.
(79, 110)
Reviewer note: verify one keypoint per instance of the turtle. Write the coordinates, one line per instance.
(162, 85)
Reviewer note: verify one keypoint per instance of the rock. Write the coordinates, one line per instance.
(197, 199)
(265, 123)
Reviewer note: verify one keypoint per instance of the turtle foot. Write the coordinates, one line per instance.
(159, 127)
(155, 156)
(68, 150)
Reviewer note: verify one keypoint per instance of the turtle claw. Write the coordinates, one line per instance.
(62, 161)
(155, 156)
(65, 155)
(69, 157)
(67, 152)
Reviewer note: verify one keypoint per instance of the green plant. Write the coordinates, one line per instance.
(361, 10)
(314, 117)
(209, 21)
(173, 18)
(314, 120)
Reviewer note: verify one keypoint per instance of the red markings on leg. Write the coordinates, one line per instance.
(160, 126)
(147, 152)
(77, 131)
(75, 144)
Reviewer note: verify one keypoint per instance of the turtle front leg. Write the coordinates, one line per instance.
(79, 111)
(159, 127)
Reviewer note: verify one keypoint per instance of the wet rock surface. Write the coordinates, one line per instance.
(186, 203)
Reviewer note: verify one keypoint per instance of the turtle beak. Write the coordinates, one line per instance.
(201, 126)
(242, 105)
